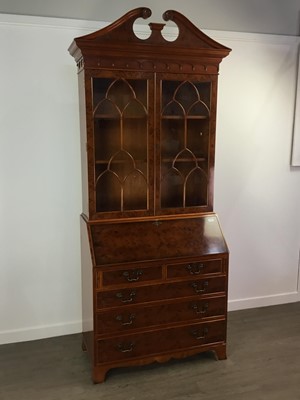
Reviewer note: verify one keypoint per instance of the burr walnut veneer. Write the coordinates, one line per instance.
(154, 260)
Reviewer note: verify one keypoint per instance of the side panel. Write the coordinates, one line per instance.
(87, 290)
(83, 140)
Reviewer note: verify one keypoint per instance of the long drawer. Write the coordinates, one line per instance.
(162, 341)
(135, 317)
(144, 294)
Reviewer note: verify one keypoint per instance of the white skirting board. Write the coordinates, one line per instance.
(40, 332)
(256, 302)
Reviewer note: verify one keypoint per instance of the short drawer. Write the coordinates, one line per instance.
(195, 268)
(129, 318)
(130, 276)
(155, 342)
(174, 290)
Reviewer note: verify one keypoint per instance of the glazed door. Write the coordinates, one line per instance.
(186, 115)
(121, 150)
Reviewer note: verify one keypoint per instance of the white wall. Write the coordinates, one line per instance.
(40, 181)
(257, 195)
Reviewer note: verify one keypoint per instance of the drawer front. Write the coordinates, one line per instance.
(130, 276)
(195, 268)
(141, 317)
(145, 294)
(174, 339)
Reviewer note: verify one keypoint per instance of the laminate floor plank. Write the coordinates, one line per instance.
(263, 364)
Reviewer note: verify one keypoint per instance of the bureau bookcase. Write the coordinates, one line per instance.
(154, 259)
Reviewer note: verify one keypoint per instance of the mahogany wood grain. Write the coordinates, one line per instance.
(157, 239)
(154, 258)
(136, 294)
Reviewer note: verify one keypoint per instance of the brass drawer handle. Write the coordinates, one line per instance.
(128, 299)
(133, 276)
(200, 288)
(200, 308)
(200, 333)
(125, 347)
(195, 268)
(129, 320)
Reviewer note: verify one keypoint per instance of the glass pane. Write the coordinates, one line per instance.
(135, 191)
(135, 138)
(173, 109)
(171, 137)
(196, 189)
(172, 189)
(199, 109)
(184, 143)
(106, 108)
(121, 164)
(107, 138)
(186, 94)
(121, 144)
(198, 140)
(108, 191)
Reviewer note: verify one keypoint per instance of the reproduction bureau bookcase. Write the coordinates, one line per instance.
(154, 259)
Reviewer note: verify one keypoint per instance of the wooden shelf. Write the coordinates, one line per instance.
(182, 117)
(104, 162)
(184, 160)
(117, 118)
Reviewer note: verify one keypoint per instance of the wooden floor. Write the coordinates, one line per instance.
(263, 364)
